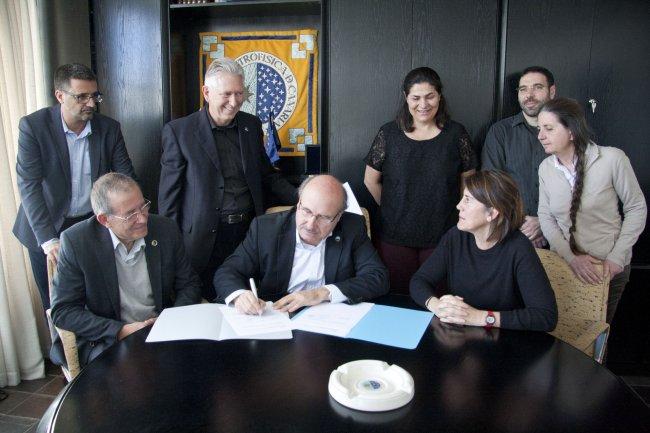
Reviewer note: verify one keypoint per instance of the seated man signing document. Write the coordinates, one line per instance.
(311, 254)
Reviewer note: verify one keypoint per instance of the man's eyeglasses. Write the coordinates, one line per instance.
(324, 219)
(133, 217)
(85, 97)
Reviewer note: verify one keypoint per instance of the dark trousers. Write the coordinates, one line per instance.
(402, 263)
(38, 260)
(616, 287)
(229, 236)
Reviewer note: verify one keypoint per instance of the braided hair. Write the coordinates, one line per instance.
(571, 115)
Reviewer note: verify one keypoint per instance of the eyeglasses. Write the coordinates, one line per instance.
(85, 97)
(132, 218)
(324, 219)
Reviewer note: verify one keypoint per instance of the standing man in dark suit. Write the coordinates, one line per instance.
(118, 270)
(315, 253)
(215, 174)
(62, 150)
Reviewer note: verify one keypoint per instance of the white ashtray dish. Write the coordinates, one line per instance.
(371, 385)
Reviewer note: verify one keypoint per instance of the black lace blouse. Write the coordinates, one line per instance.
(420, 182)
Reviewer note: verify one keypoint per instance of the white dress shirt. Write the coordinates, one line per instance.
(307, 271)
(568, 174)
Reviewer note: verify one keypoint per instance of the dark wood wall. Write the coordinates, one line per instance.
(368, 59)
(373, 44)
(130, 41)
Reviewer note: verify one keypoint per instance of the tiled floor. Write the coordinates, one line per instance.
(26, 403)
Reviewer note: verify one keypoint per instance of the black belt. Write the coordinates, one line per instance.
(236, 218)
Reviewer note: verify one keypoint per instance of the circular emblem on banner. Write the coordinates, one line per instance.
(269, 87)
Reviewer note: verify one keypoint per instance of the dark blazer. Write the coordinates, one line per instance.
(85, 292)
(43, 170)
(351, 262)
(191, 183)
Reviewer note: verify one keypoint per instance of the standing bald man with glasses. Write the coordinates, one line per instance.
(311, 254)
(119, 270)
(62, 150)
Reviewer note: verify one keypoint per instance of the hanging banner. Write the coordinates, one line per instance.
(281, 77)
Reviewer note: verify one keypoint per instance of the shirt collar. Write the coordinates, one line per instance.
(84, 133)
(558, 163)
(214, 125)
(139, 243)
(519, 119)
(591, 153)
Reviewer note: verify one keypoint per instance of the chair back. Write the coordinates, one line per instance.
(582, 307)
(68, 338)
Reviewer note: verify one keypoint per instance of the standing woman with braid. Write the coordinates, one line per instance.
(580, 186)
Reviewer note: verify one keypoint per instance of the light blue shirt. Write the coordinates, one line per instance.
(80, 177)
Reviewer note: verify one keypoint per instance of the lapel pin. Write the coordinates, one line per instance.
(154, 243)
(337, 239)
(246, 128)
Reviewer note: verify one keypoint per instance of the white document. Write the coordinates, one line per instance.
(246, 325)
(204, 322)
(353, 204)
(331, 319)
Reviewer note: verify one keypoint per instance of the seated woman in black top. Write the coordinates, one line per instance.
(493, 273)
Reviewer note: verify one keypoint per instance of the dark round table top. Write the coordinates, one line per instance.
(466, 380)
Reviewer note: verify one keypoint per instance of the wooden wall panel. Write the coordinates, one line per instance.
(618, 81)
(459, 39)
(131, 66)
(370, 52)
(555, 34)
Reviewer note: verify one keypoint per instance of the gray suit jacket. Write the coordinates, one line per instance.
(266, 254)
(43, 170)
(85, 292)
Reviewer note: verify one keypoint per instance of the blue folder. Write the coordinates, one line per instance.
(392, 326)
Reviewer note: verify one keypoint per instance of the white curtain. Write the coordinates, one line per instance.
(22, 91)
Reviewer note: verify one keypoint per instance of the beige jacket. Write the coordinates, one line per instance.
(609, 177)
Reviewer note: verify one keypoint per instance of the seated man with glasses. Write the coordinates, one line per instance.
(62, 150)
(311, 254)
(117, 271)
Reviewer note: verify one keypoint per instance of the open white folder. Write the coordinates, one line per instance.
(218, 322)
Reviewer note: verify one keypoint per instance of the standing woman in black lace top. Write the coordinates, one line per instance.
(413, 171)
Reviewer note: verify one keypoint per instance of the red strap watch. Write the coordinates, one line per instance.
(490, 320)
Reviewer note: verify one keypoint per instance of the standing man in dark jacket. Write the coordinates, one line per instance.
(62, 150)
(215, 173)
(511, 145)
